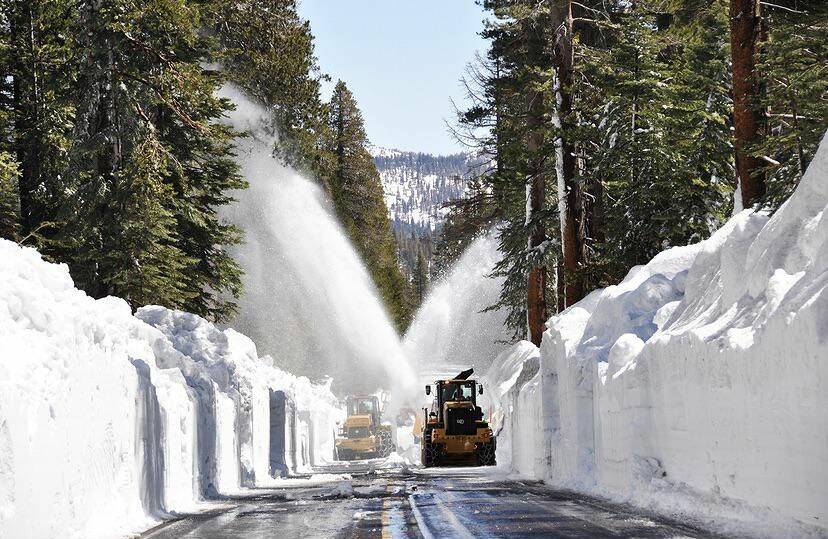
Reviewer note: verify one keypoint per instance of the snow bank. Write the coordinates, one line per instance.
(70, 429)
(697, 386)
(110, 422)
(514, 413)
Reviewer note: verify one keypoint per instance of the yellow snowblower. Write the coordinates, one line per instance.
(363, 435)
(453, 430)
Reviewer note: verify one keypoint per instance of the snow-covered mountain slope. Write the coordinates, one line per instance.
(417, 185)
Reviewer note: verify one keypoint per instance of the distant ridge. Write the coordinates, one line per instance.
(379, 151)
(417, 185)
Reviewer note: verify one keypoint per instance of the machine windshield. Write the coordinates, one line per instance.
(458, 391)
(362, 406)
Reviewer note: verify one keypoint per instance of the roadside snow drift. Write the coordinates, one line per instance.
(698, 386)
(515, 410)
(110, 422)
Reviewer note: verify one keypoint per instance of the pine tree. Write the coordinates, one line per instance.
(148, 166)
(643, 130)
(635, 125)
(267, 49)
(202, 175)
(793, 71)
(512, 103)
(663, 115)
(134, 248)
(38, 65)
(570, 285)
(9, 201)
(358, 199)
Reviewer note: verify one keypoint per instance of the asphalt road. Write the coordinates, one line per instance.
(437, 503)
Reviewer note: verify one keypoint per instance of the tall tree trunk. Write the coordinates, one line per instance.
(591, 210)
(591, 229)
(745, 35)
(536, 309)
(569, 195)
(560, 293)
(26, 99)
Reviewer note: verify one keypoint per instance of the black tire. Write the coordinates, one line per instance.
(429, 456)
(429, 452)
(486, 454)
(386, 444)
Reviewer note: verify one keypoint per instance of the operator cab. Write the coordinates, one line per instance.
(455, 390)
(363, 417)
(363, 405)
(455, 404)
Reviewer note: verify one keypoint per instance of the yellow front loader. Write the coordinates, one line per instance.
(363, 436)
(453, 430)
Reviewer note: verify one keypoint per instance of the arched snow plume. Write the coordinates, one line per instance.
(309, 302)
(451, 330)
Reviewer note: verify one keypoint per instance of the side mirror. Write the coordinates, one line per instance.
(428, 390)
(479, 390)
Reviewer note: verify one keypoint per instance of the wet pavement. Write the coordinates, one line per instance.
(435, 503)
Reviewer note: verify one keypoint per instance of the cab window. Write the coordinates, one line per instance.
(458, 392)
(362, 406)
(366, 407)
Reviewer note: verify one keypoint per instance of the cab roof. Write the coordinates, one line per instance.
(463, 376)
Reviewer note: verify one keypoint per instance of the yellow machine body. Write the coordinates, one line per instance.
(453, 430)
(362, 435)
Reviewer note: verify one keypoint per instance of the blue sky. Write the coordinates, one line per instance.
(402, 59)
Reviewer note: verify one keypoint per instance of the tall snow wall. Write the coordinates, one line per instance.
(110, 422)
(697, 386)
(514, 408)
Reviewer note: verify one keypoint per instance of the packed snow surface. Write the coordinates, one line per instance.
(110, 422)
(696, 386)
